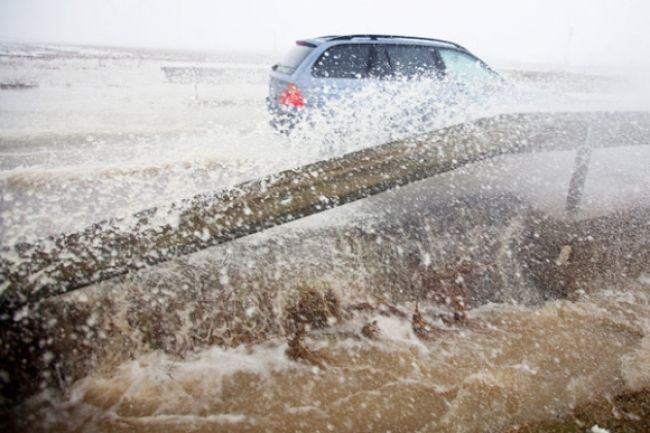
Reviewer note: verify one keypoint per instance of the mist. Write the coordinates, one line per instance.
(583, 32)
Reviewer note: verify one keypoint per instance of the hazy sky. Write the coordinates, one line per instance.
(582, 31)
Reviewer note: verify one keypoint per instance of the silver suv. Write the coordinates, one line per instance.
(322, 69)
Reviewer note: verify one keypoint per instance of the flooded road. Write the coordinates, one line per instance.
(467, 302)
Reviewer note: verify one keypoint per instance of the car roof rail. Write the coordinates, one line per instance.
(375, 37)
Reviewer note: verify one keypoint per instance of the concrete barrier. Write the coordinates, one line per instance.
(31, 272)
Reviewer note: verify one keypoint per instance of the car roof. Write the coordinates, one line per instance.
(383, 38)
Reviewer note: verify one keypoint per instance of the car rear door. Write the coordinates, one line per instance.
(339, 74)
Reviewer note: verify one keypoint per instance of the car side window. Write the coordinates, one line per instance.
(412, 61)
(379, 66)
(343, 61)
(461, 66)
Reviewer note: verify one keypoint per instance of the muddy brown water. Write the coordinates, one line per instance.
(506, 366)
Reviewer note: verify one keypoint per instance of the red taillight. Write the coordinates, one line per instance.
(292, 96)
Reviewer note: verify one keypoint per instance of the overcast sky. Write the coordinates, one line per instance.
(552, 31)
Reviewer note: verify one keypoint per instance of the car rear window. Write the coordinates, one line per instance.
(293, 59)
(343, 61)
(411, 60)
